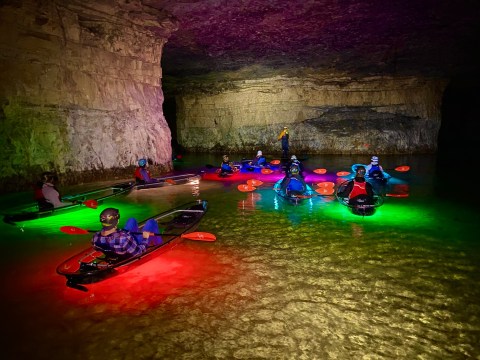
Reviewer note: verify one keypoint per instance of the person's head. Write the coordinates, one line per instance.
(360, 171)
(225, 157)
(48, 177)
(294, 170)
(293, 158)
(142, 162)
(374, 160)
(285, 127)
(109, 218)
(259, 153)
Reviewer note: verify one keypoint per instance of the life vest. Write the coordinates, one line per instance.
(295, 185)
(142, 174)
(38, 193)
(226, 166)
(359, 188)
(374, 169)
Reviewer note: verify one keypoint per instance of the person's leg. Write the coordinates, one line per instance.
(152, 226)
(132, 226)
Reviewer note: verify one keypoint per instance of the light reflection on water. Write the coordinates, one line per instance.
(310, 281)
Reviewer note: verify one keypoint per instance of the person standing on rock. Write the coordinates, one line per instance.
(284, 138)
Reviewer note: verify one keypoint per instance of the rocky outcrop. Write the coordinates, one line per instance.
(80, 89)
(326, 114)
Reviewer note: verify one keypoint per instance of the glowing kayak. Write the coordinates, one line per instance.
(91, 265)
(358, 209)
(294, 197)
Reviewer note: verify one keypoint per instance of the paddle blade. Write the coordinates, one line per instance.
(73, 230)
(343, 173)
(245, 187)
(267, 171)
(320, 171)
(170, 181)
(403, 168)
(326, 184)
(92, 204)
(254, 182)
(199, 236)
(397, 195)
(325, 191)
(275, 162)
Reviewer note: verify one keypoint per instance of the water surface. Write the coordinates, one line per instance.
(281, 282)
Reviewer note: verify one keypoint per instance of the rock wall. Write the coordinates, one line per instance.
(326, 114)
(80, 90)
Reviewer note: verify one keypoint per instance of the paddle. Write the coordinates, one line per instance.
(246, 187)
(275, 162)
(403, 168)
(92, 204)
(320, 171)
(343, 173)
(254, 182)
(197, 235)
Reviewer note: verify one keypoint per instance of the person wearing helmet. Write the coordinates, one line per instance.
(284, 137)
(122, 243)
(258, 162)
(374, 170)
(227, 167)
(358, 191)
(293, 183)
(294, 161)
(142, 174)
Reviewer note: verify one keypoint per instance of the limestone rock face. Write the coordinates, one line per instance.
(80, 89)
(326, 114)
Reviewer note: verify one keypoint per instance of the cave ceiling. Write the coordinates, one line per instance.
(369, 37)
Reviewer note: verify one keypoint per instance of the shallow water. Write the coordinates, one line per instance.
(281, 282)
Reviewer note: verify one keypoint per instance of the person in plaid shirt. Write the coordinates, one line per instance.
(118, 242)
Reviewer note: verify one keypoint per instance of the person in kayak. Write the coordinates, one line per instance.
(142, 174)
(259, 161)
(293, 183)
(46, 193)
(374, 169)
(122, 243)
(294, 161)
(227, 167)
(358, 190)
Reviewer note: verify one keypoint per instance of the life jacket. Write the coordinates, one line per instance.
(37, 192)
(375, 172)
(142, 174)
(226, 166)
(295, 185)
(359, 188)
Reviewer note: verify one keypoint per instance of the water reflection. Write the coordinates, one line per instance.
(281, 281)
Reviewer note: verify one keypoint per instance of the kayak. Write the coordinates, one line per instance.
(89, 199)
(169, 180)
(90, 265)
(93, 197)
(294, 197)
(359, 209)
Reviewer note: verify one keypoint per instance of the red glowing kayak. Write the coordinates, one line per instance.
(91, 265)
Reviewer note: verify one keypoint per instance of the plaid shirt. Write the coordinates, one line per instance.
(121, 242)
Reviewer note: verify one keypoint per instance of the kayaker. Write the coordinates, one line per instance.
(121, 242)
(284, 137)
(358, 190)
(46, 194)
(142, 174)
(227, 167)
(293, 183)
(374, 170)
(259, 161)
(294, 161)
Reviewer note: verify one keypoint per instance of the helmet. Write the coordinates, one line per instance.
(142, 162)
(109, 218)
(374, 159)
(259, 153)
(294, 170)
(360, 170)
(293, 157)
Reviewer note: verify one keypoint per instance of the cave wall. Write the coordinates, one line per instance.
(326, 114)
(80, 90)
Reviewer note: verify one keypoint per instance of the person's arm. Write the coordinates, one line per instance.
(369, 189)
(53, 197)
(346, 191)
